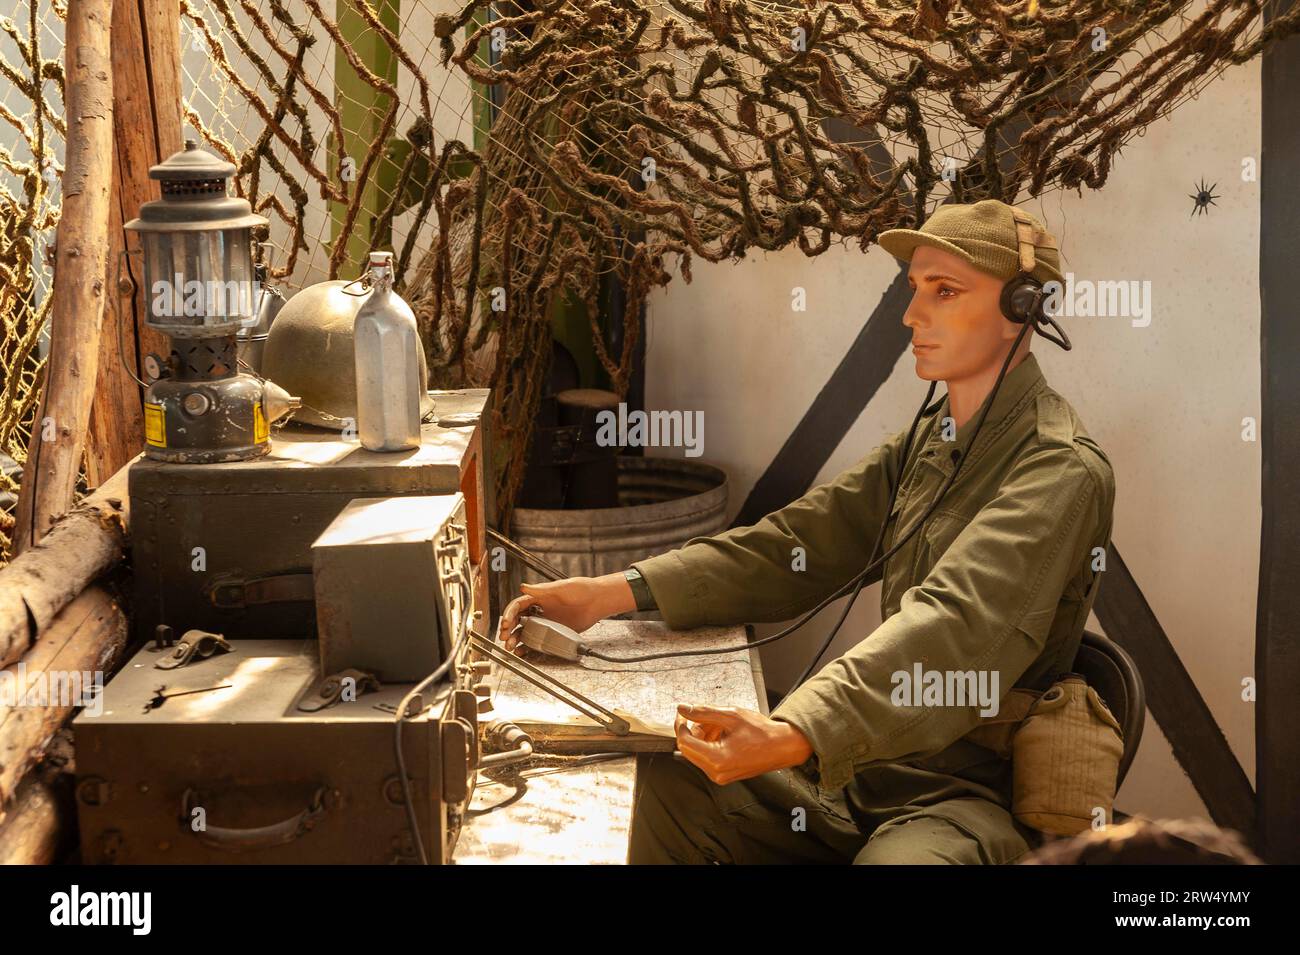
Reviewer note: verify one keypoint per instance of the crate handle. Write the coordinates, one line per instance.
(257, 837)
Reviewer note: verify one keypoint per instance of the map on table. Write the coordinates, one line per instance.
(566, 809)
(648, 692)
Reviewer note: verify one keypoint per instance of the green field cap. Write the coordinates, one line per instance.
(984, 234)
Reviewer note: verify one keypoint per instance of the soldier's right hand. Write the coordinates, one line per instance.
(571, 602)
(576, 602)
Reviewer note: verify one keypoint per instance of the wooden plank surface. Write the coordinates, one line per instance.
(447, 439)
(570, 809)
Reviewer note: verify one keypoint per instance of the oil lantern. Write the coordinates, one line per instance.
(201, 290)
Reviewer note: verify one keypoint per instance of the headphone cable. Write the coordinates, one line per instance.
(859, 580)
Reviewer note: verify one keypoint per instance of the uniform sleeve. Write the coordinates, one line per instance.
(754, 574)
(986, 605)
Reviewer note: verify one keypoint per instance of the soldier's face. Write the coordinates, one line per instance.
(958, 330)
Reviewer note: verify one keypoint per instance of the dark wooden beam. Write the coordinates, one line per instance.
(1277, 623)
(1172, 697)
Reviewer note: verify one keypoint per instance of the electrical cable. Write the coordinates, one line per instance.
(857, 583)
(404, 706)
(859, 580)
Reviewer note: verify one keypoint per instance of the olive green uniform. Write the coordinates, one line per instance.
(1001, 578)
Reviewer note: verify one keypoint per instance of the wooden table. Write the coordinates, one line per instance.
(578, 810)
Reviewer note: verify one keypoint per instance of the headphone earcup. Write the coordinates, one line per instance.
(1021, 298)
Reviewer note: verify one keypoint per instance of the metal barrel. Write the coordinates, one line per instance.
(664, 502)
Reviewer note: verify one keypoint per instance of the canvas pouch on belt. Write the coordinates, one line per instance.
(1065, 760)
(1065, 747)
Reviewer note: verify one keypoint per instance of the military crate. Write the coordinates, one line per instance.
(227, 547)
(239, 772)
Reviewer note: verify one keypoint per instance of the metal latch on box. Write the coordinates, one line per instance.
(195, 645)
(334, 687)
(612, 722)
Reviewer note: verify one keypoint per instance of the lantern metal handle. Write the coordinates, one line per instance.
(117, 312)
(261, 297)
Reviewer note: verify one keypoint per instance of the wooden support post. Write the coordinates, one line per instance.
(147, 129)
(81, 258)
(39, 825)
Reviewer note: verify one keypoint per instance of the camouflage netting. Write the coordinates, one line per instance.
(719, 127)
(510, 153)
(31, 113)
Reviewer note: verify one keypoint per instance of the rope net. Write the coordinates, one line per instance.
(32, 131)
(513, 153)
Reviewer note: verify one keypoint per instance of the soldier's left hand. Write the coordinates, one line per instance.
(730, 743)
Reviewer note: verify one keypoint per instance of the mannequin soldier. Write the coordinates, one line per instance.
(1000, 579)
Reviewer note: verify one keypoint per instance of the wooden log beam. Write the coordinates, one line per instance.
(81, 257)
(40, 582)
(39, 825)
(38, 694)
(33, 827)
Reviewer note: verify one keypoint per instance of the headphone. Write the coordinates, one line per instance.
(1023, 296)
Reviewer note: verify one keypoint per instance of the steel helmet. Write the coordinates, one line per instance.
(309, 353)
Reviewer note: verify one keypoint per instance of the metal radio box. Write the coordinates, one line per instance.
(389, 572)
(231, 759)
(227, 547)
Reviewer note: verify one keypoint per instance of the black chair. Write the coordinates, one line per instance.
(1111, 672)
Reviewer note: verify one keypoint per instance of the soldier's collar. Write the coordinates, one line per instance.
(1019, 382)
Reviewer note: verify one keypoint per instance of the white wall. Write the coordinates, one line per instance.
(1165, 402)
